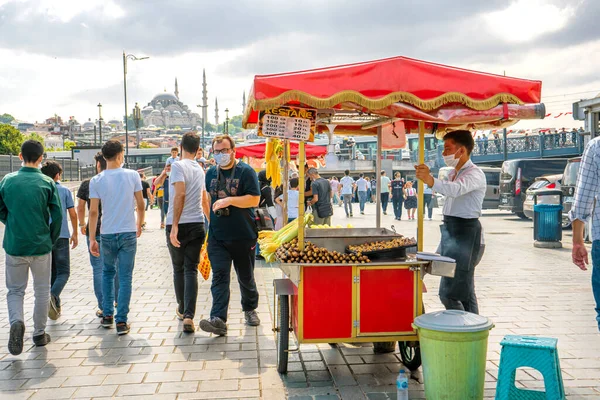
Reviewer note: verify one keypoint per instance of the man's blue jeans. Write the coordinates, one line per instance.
(362, 199)
(596, 277)
(61, 268)
(97, 266)
(118, 249)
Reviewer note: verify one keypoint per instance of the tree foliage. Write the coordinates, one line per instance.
(6, 118)
(10, 140)
(69, 144)
(35, 136)
(145, 145)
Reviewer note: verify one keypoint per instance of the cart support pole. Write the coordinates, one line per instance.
(420, 187)
(286, 169)
(378, 177)
(302, 183)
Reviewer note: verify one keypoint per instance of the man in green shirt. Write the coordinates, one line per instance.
(28, 201)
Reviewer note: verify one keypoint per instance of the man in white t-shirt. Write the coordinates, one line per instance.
(120, 191)
(185, 227)
(347, 192)
(361, 186)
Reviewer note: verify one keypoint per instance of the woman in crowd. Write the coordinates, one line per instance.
(410, 200)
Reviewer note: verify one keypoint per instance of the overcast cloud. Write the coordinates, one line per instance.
(64, 56)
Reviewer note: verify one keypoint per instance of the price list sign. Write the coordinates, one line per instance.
(295, 123)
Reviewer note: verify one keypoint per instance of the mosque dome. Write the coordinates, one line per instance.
(176, 114)
(165, 97)
(155, 112)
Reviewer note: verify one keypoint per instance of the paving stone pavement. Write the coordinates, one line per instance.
(524, 290)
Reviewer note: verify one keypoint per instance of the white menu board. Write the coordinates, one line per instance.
(293, 123)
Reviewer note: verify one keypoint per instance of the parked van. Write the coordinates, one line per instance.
(492, 192)
(516, 177)
(568, 188)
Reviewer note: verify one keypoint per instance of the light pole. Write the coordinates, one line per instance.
(137, 116)
(226, 128)
(125, 58)
(99, 122)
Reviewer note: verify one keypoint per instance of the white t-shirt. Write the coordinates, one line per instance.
(192, 174)
(362, 185)
(347, 183)
(292, 204)
(116, 190)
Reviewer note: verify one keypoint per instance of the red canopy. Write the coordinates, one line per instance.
(376, 85)
(258, 150)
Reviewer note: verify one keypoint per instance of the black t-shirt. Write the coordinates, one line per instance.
(84, 194)
(322, 189)
(307, 188)
(145, 187)
(239, 224)
(266, 196)
(397, 186)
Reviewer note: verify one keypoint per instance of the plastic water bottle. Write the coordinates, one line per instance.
(402, 386)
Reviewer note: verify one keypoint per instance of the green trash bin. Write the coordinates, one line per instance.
(453, 351)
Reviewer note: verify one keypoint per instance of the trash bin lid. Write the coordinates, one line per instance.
(453, 321)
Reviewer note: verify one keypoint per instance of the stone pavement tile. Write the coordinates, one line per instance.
(101, 360)
(192, 348)
(249, 384)
(207, 356)
(354, 360)
(241, 373)
(122, 379)
(90, 380)
(222, 364)
(20, 365)
(241, 394)
(203, 375)
(241, 355)
(17, 395)
(35, 373)
(270, 379)
(217, 386)
(379, 358)
(8, 374)
(73, 371)
(185, 366)
(43, 383)
(111, 369)
(53, 394)
(66, 362)
(137, 389)
(178, 387)
(315, 366)
(12, 384)
(150, 367)
(332, 356)
(96, 391)
(171, 376)
(342, 375)
(317, 376)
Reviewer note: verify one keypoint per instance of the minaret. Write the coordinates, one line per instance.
(216, 112)
(244, 102)
(204, 100)
(176, 89)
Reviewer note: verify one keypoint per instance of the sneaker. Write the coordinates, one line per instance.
(252, 318)
(15, 340)
(179, 314)
(107, 321)
(384, 213)
(214, 325)
(362, 213)
(351, 215)
(41, 340)
(53, 310)
(188, 325)
(123, 328)
(99, 313)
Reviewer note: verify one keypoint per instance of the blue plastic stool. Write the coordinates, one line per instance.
(533, 352)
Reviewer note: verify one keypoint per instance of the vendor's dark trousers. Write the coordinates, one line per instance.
(185, 261)
(427, 203)
(470, 305)
(61, 268)
(385, 198)
(397, 202)
(221, 253)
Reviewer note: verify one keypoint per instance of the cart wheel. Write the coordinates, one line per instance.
(410, 354)
(283, 334)
(384, 347)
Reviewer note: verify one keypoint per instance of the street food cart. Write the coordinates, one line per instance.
(376, 301)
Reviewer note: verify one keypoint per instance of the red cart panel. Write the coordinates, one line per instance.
(386, 300)
(327, 302)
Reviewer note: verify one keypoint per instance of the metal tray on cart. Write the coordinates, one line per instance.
(339, 239)
(396, 253)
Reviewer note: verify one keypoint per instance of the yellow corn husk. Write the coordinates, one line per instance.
(265, 234)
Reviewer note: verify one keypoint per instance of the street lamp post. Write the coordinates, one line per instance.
(99, 122)
(125, 58)
(226, 128)
(137, 116)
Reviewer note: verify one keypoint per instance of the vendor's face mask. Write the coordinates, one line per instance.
(453, 159)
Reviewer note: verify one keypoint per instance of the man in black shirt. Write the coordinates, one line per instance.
(146, 193)
(321, 199)
(83, 194)
(233, 194)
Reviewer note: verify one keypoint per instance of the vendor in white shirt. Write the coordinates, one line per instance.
(461, 231)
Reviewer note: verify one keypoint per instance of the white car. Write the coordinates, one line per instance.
(543, 182)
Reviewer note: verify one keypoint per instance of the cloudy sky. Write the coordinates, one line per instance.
(65, 56)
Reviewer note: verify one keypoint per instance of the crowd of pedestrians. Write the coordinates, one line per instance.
(200, 201)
